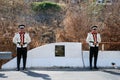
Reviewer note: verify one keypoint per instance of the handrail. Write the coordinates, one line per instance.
(104, 44)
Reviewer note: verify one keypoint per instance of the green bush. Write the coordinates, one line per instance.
(44, 6)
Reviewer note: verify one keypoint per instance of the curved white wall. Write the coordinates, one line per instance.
(44, 56)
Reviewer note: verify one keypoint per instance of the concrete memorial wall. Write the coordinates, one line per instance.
(64, 54)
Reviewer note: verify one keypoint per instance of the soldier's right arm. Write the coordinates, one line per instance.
(15, 39)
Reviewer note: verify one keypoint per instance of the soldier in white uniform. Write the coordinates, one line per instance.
(93, 39)
(21, 39)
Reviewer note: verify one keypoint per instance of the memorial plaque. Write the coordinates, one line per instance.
(59, 50)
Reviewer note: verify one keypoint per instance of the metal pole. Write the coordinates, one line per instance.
(103, 47)
(82, 58)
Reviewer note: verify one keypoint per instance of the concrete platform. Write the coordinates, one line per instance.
(61, 74)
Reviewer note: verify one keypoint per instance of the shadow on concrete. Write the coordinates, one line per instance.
(113, 72)
(35, 74)
(3, 76)
(64, 69)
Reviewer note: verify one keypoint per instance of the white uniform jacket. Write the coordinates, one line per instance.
(16, 40)
(90, 39)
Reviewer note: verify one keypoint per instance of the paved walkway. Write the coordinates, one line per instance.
(61, 74)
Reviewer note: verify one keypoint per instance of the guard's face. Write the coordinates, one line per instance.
(94, 30)
(22, 30)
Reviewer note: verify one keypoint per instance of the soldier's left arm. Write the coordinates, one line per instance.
(28, 38)
(99, 38)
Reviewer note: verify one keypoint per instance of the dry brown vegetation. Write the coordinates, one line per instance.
(69, 25)
(78, 20)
